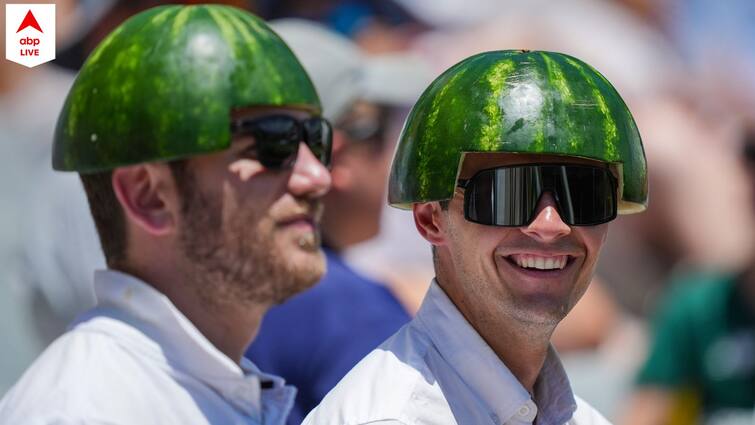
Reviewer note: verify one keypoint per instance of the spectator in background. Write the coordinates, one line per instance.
(701, 364)
(316, 337)
(38, 208)
(376, 25)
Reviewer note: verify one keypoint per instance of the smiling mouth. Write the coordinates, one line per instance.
(540, 263)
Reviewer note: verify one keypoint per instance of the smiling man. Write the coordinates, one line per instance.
(513, 163)
(198, 138)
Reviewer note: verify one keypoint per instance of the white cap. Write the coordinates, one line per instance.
(343, 74)
(452, 14)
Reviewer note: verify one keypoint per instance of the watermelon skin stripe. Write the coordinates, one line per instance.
(495, 79)
(610, 132)
(517, 102)
(434, 130)
(163, 84)
(558, 80)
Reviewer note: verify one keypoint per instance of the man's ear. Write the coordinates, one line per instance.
(143, 192)
(429, 221)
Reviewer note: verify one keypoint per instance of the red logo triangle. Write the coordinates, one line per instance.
(29, 21)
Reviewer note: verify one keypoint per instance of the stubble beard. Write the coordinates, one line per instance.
(495, 303)
(239, 263)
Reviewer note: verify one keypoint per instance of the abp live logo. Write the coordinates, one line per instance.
(30, 33)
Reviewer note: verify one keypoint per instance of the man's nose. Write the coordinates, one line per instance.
(310, 178)
(547, 225)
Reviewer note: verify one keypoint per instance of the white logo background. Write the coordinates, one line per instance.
(38, 47)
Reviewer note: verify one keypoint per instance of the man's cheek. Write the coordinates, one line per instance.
(596, 235)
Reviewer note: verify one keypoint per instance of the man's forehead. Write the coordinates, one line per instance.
(472, 162)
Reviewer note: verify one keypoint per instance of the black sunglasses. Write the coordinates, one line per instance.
(508, 196)
(277, 138)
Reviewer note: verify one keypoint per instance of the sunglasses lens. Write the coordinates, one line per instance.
(508, 196)
(502, 197)
(585, 195)
(277, 139)
(319, 138)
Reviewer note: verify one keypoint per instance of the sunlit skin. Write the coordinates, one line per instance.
(243, 182)
(513, 309)
(245, 239)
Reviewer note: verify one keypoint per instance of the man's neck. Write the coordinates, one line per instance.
(523, 353)
(230, 327)
(522, 349)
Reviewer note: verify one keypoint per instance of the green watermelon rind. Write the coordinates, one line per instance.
(162, 86)
(517, 102)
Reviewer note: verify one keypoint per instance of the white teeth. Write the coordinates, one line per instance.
(540, 263)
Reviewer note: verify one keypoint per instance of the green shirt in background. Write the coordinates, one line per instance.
(704, 347)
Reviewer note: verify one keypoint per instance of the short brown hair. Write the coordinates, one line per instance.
(107, 212)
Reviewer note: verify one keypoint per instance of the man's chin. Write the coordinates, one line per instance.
(305, 268)
(540, 310)
(309, 242)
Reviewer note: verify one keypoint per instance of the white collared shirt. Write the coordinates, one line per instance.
(135, 359)
(438, 370)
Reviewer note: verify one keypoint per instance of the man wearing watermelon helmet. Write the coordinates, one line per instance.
(198, 137)
(513, 163)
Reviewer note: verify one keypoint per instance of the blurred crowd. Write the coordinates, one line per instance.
(665, 334)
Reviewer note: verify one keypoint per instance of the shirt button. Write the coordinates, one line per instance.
(524, 411)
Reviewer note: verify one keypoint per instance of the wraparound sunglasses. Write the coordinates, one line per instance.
(277, 138)
(585, 195)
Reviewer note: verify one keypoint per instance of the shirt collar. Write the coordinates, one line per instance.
(484, 373)
(182, 346)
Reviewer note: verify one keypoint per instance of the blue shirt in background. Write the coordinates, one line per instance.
(315, 338)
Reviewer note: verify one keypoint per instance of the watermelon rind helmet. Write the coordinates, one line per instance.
(163, 84)
(516, 101)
